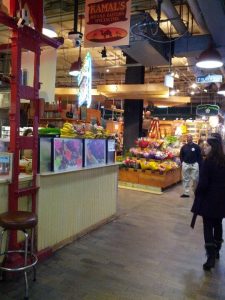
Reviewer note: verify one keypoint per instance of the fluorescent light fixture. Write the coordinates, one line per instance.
(161, 106)
(209, 59)
(194, 85)
(48, 30)
(192, 93)
(75, 68)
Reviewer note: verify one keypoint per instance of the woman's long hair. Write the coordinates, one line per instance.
(216, 154)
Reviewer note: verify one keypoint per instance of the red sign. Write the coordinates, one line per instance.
(107, 22)
(107, 12)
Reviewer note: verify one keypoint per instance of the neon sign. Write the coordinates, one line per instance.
(85, 82)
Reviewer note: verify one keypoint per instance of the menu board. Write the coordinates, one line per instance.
(68, 154)
(95, 152)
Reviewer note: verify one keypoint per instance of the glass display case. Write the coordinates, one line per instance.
(111, 151)
(66, 154)
(45, 163)
(4, 144)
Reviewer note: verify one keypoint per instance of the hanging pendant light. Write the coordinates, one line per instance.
(222, 90)
(48, 30)
(75, 67)
(209, 59)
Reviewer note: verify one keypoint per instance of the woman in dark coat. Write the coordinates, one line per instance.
(210, 199)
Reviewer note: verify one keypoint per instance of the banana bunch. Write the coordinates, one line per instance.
(89, 135)
(67, 130)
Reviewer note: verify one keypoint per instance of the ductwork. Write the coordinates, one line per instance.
(172, 14)
(199, 19)
(146, 51)
(214, 15)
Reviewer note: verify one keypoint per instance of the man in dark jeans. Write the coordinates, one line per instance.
(191, 158)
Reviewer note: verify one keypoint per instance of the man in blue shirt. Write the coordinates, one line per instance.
(190, 156)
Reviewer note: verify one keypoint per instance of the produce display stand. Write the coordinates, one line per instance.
(152, 165)
(148, 181)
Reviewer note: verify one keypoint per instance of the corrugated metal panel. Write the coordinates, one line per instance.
(69, 203)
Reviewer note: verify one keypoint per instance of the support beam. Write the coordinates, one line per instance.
(133, 109)
(43, 39)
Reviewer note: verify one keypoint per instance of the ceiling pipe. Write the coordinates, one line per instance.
(75, 16)
(172, 14)
(199, 19)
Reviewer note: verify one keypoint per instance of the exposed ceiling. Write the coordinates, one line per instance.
(193, 25)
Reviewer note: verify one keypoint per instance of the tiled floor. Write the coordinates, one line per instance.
(148, 253)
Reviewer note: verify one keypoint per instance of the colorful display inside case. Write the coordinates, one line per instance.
(94, 152)
(67, 154)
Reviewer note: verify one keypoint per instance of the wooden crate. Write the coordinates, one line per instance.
(149, 178)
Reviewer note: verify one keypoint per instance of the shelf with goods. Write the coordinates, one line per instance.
(196, 128)
(5, 131)
(183, 127)
(55, 114)
(153, 162)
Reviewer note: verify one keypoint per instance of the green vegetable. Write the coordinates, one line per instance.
(49, 131)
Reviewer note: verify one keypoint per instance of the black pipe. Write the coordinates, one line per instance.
(75, 15)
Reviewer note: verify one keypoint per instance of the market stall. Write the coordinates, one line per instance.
(77, 183)
(152, 165)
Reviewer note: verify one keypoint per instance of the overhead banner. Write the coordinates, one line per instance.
(107, 23)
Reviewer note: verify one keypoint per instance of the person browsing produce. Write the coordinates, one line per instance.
(190, 157)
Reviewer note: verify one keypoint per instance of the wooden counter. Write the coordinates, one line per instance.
(72, 203)
(69, 204)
